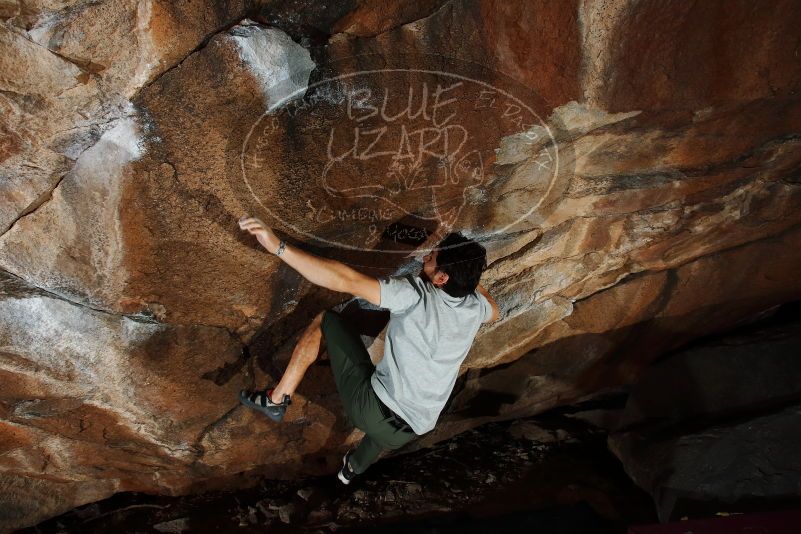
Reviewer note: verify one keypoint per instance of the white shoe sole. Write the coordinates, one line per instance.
(340, 476)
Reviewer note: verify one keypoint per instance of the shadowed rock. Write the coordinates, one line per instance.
(631, 167)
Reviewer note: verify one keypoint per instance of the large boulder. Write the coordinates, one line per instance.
(626, 207)
(724, 464)
(718, 423)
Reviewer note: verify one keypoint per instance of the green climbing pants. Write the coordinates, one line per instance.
(352, 368)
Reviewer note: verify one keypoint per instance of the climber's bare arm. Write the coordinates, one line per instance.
(363, 286)
(331, 274)
(496, 311)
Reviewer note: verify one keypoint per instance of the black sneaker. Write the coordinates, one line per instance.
(346, 474)
(260, 401)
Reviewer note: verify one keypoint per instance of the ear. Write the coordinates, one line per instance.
(440, 279)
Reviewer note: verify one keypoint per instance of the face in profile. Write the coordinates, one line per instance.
(429, 271)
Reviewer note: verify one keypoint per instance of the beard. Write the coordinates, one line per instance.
(424, 275)
(426, 278)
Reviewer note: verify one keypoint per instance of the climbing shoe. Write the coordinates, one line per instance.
(346, 474)
(261, 402)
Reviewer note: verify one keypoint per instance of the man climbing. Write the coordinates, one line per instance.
(434, 318)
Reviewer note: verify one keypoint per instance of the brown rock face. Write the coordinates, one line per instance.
(68, 70)
(631, 167)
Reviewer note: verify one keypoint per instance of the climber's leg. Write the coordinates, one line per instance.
(386, 431)
(322, 354)
(353, 371)
(350, 364)
(365, 454)
(305, 353)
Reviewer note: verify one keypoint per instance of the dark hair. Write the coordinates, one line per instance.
(463, 260)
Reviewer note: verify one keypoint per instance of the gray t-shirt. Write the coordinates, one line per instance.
(428, 337)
